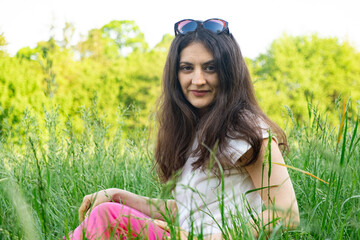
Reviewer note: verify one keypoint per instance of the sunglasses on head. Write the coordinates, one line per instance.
(214, 25)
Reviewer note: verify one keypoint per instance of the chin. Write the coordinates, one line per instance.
(200, 105)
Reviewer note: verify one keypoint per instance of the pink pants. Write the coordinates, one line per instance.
(117, 221)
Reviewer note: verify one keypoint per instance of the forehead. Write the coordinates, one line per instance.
(196, 52)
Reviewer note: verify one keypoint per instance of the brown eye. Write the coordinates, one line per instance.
(210, 68)
(185, 68)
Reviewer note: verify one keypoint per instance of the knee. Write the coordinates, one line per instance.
(110, 209)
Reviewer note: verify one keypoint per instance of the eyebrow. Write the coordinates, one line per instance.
(205, 63)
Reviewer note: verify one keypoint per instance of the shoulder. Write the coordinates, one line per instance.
(273, 148)
(237, 146)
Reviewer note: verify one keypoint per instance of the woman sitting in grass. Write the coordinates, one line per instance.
(214, 143)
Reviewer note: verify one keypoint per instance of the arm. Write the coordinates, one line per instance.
(152, 207)
(280, 201)
(155, 208)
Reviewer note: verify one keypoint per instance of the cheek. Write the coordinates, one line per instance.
(182, 81)
(215, 83)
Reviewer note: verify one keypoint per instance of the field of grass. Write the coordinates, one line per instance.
(46, 169)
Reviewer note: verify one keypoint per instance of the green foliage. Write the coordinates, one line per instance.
(307, 68)
(125, 34)
(45, 175)
(44, 166)
(3, 43)
(115, 65)
(20, 86)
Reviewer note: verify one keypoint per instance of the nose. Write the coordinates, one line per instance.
(198, 78)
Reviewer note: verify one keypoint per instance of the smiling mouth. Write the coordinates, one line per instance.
(199, 93)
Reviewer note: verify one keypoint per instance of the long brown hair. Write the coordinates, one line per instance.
(234, 113)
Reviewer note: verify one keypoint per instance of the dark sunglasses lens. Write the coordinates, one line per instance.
(186, 26)
(215, 26)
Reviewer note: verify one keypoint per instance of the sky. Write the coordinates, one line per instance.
(254, 23)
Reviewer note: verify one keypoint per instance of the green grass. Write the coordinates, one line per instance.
(46, 169)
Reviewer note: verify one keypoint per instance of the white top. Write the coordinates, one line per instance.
(198, 193)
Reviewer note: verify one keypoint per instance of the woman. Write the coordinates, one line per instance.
(211, 143)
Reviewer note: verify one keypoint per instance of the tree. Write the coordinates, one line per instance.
(306, 68)
(164, 44)
(68, 34)
(114, 40)
(3, 44)
(126, 35)
(96, 47)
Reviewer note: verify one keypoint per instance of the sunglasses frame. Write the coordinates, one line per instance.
(201, 23)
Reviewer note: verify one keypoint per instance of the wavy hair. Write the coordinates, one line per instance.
(234, 113)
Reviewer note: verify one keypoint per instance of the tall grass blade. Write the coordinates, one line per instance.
(300, 170)
(343, 149)
(348, 199)
(260, 188)
(4, 179)
(22, 211)
(353, 137)
(341, 126)
(41, 190)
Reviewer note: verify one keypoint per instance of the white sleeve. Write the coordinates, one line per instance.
(238, 147)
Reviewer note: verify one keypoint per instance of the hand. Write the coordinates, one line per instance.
(92, 200)
(183, 234)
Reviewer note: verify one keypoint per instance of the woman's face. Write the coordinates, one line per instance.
(197, 75)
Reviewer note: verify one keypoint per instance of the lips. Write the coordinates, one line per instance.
(199, 93)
